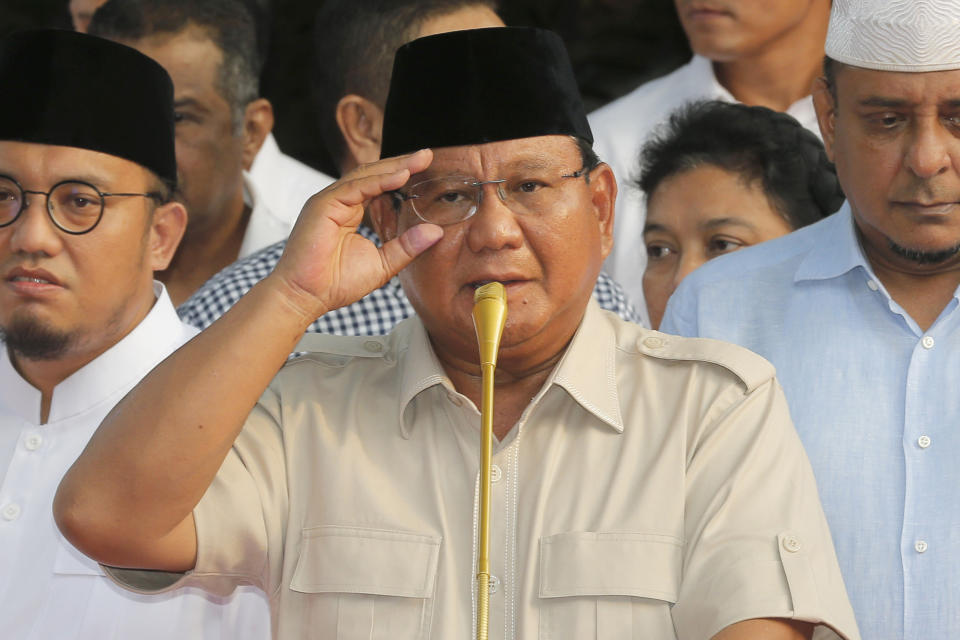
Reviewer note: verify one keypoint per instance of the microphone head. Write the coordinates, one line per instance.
(489, 317)
(493, 290)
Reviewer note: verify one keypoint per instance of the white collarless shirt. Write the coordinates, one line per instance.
(284, 182)
(620, 129)
(48, 589)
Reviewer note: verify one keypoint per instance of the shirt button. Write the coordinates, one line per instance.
(494, 584)
(792, 544)
(33, 442)
(373, 346)
(653, 342)
(923, 441)
(495, 473)
(11, 512)
(920, 546)
(927, 342)
(872, 285)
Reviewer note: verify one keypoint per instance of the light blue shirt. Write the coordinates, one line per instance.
(876, 401)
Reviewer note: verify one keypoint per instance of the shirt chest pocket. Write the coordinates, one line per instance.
(608, 586)
(368, 584)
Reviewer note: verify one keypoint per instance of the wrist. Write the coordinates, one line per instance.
(294, 303)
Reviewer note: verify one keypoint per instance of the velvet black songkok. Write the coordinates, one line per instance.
(481, 85)
(75, 90)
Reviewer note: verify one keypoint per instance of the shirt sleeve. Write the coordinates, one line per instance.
(241, 519)
(756, 539)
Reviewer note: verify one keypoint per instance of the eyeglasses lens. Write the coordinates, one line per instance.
(10, 200)
(75, 206)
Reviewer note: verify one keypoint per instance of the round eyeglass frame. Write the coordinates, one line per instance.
(400, 197)
(49, 207)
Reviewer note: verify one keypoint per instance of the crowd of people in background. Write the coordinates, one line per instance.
(239, 394)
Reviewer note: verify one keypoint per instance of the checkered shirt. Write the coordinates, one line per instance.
(374, 314)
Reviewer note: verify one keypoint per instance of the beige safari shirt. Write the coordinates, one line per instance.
(653, 489)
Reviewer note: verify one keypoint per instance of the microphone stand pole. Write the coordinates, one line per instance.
(489, 316)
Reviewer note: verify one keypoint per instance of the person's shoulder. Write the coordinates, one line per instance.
(329, 350)
(660, 350)
(272, 164)
(650, 100)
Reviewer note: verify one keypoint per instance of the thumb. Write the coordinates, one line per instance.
(399, 252)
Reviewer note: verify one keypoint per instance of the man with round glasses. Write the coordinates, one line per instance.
(643, 486)
(74, 206)
(86, 218)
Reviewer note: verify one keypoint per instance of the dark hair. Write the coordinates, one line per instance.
(354, 43)
(228, 23)
(753, 142)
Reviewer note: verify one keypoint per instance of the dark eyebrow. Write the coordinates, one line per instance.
(98, 181)
(713, 223)
(885, 103)
(188, 102)
(527, 164)
(654, 226)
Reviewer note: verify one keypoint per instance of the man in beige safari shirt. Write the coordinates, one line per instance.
(645, 486)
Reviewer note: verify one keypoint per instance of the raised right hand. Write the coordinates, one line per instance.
(326, 263)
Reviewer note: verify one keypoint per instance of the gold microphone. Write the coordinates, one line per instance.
(489, 316)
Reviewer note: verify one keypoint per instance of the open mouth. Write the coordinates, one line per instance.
(31, 277)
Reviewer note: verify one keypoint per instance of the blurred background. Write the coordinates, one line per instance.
(615, 45)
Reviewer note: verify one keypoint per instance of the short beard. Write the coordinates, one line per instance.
(33, 341)
(920, 256)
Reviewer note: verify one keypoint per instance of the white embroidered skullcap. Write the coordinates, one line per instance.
(895, 35)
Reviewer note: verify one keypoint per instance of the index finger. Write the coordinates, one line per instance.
(413, 162)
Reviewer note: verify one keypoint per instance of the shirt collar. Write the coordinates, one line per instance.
(119, 367)
(264, 227)
(587, 370)
(701, 70)
(837, 249)
(701, 75)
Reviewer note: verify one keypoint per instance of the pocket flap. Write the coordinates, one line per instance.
(642, 565)
(372, 561)
(71, 562)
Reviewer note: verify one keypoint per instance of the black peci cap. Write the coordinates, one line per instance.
(76, 90)
(478, 86)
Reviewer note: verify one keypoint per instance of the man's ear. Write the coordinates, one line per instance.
(361, 124)
(257, 125)
(383, 217)
(826, 108)
(166, 230)
(603, 195)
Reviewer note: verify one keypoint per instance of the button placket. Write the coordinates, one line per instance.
(10, 512)
(33, 441)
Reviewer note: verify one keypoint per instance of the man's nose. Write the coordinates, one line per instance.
(930, 149)
(494, 226)
(33, 231)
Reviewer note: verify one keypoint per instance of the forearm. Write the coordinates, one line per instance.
(156, 453)
(767, 629)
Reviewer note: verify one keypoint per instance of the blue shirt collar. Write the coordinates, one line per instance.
(838, 250)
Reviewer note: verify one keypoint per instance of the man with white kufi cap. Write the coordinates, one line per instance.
(859, 313)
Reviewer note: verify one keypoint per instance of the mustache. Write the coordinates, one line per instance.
(924, 191)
